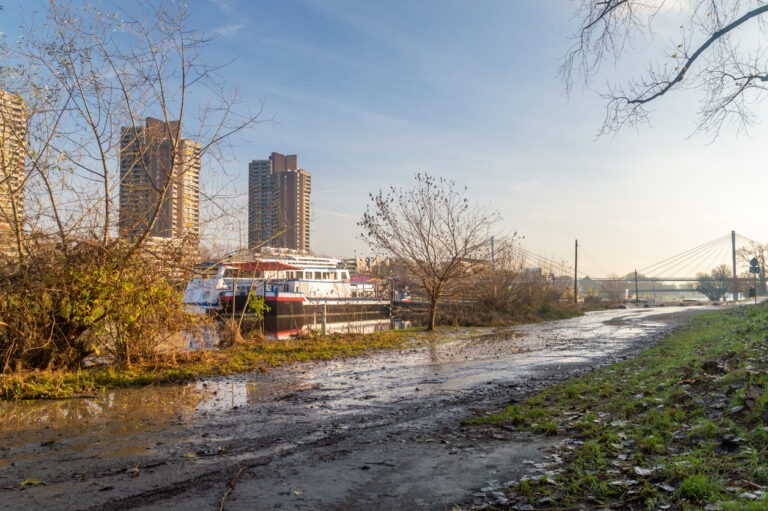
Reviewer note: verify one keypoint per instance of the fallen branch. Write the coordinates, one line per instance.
(233, 482)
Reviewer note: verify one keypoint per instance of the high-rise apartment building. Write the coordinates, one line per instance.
(160, 181)
(278, 203)
(293, 189)
(13, 137)
(260, 203)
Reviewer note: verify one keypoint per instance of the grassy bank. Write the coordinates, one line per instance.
(681, 427)
(248, 356)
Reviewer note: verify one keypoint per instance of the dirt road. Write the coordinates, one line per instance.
(378, 432)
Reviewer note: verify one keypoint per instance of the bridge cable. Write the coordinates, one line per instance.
(663, 265)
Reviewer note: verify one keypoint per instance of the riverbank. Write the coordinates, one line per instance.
(251, 353)
(682, 426)
(248, 355)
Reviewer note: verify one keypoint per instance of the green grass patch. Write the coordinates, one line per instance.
(684, 425)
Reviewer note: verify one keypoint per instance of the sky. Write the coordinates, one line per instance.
(368, 93)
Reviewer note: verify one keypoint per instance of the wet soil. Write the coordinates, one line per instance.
(377, 432)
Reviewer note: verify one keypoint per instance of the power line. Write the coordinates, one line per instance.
(542, 261)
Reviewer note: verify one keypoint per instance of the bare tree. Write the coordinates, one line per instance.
(90, 75)
(755, 251)
(720, 52)
(433, 229)
(716, 284)
(615, 288)
(509, 284)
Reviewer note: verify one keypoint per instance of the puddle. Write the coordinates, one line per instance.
(229, 393)
(108, 422)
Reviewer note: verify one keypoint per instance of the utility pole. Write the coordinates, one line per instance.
(493, 255)
(637, 293)
(493, 266)
(735, 278)
(576, 274)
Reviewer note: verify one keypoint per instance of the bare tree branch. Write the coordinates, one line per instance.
(88, 73)
(709, 58)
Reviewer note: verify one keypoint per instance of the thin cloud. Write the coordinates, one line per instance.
(224, 6)
(335, 214)
(228, 30)
(317, 53)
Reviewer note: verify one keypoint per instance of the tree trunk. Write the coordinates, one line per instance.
(432, 315)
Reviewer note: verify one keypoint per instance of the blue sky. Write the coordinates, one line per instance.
(367, 93)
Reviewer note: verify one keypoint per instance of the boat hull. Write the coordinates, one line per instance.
(293, 312)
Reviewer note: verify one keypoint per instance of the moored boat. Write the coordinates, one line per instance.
(298, 291)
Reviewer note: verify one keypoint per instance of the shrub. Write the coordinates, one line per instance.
(67, 303)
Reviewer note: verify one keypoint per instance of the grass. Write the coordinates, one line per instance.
(249, 356)
(683, 426)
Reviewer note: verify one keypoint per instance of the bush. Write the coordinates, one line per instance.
(65, 304)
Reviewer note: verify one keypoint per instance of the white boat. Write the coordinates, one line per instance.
(297, 290)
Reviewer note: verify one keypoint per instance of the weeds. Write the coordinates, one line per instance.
(698, 488)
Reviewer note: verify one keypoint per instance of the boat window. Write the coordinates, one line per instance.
(318, 275)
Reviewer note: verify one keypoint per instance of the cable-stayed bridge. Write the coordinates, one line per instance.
(724, 261)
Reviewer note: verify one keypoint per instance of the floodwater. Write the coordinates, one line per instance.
(288, 434)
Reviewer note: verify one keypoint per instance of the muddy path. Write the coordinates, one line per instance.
(378, 432)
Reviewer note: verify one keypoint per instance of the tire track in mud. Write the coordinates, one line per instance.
(437, 423)
(217, 479)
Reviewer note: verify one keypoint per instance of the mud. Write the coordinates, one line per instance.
(377, 432)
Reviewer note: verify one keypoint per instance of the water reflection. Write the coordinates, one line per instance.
(361, 327)
(207, 337)
(119, 410)
(234, 392)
